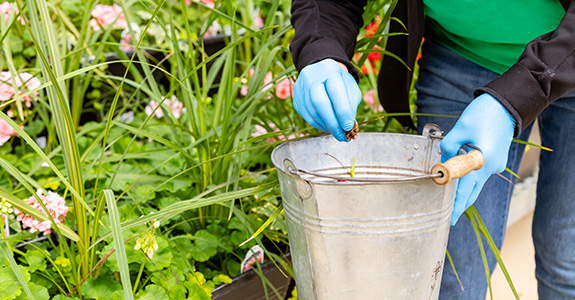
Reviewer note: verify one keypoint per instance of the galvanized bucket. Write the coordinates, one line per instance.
(379, 235)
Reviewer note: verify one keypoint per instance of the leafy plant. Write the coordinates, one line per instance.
(158, 140)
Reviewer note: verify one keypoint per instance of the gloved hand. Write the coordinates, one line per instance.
(487, 125)
(327, 96)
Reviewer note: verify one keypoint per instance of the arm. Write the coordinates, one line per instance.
(326, 93)
(543, 73)
(325, 29)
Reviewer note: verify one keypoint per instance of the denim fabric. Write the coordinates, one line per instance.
(445, 86)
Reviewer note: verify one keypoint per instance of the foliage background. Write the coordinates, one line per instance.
(203, 172)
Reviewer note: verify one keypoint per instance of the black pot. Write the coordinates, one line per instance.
(211, 46)
(248, 286)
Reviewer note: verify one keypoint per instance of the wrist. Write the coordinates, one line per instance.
(343, 66)
(492, 104)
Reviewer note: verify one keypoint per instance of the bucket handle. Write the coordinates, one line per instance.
(458, 166)
(304, 187)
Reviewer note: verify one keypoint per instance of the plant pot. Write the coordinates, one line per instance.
(249, 286)
(211, 45)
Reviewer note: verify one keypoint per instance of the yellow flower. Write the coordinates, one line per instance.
(5, 207)
(62, 261)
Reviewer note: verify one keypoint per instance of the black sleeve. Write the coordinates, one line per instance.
(543, 73)
(325, 29)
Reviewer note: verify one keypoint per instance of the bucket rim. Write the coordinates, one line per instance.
(425, 175)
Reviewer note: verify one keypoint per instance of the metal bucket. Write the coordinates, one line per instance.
(379, 235)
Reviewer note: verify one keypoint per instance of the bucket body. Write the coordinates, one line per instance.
(365, 240)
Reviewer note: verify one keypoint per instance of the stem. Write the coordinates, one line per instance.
(139, 276)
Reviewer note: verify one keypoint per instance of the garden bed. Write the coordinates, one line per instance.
(156, 185)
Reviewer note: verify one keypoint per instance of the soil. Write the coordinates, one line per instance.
(350, 135)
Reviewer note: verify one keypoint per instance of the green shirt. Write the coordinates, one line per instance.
(491, 33)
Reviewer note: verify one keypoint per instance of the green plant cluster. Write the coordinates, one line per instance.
(160, 196)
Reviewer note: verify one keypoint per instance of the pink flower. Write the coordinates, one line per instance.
(6, 10)
(6, 91)
(106, 15)
(208, 3)
(125, 42)
(22, 80)
(6, 132)
(177, 107)
(126, 37)
(259, 22)
(243, 89)
(212, 30)
(150, 109)
(267, 84)
(174, 104)
(284, 89)
(267, 79)
(369, 98)
(31, 83)
(56, 206)
(260, 130)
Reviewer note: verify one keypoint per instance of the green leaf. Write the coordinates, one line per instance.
(171, 280)
(9, 289)
(39, 292)
(471, 218)
(47, 46)
(100, 288)
(167, 201)
(117, 295)
(19, 273)
(453, 267)
(62, 297)
(195, 292)
(153, 292)
(35, 127)
(119, 244)
(205, 246)
(483, 229)
(62, 261)
(35, 260)
(163, 258)
(237, 237)
(272, 218)
(221, 279)
(181, 206)
(145, 192)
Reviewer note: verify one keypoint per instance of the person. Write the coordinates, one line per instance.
(499, 66)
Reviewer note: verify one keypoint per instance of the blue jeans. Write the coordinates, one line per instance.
(445, 87)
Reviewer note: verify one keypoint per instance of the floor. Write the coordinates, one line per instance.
(517, 254)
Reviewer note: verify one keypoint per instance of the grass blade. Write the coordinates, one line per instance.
(16, 270)
(41, 153)
(47, 47)
(13, 264)
(453, 267)
(276, 213)
(179, 207)
(119, 244)
(483, 229)
(471, 218)
(532, 144)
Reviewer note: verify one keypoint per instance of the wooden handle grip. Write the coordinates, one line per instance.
(458, 166)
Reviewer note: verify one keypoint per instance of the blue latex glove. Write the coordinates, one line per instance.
(327, 96)
(487, 125)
